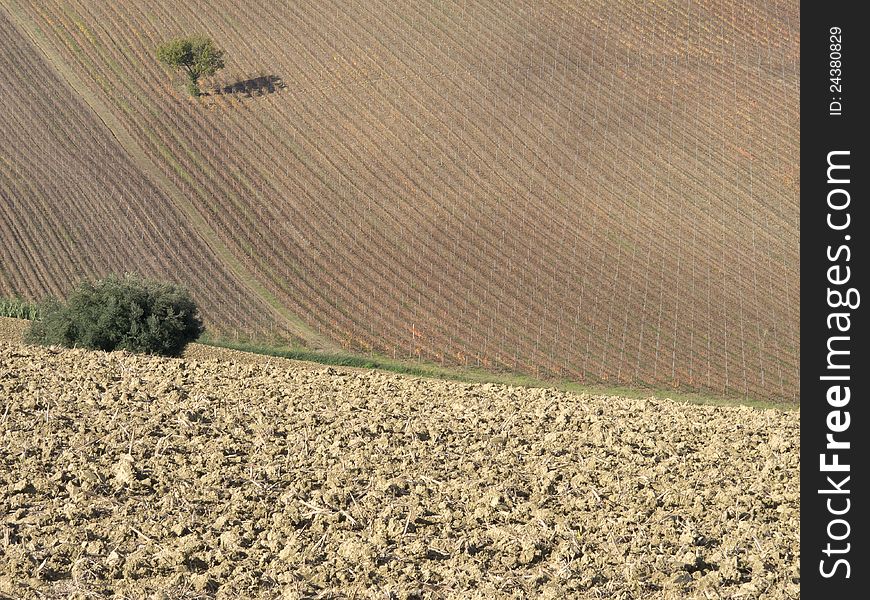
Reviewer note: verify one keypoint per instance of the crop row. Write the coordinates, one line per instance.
(74, 207)
(576, 192)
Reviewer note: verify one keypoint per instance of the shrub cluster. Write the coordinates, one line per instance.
(120, 313)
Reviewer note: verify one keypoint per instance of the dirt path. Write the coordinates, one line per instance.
(102, 110)
(162, 478)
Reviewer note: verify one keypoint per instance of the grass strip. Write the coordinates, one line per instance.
(464, 374)
(472, 375)
(18, 308)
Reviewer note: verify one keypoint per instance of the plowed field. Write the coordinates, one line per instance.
(162, 478)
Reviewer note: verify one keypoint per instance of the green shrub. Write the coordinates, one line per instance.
(120, 313)
(18, 308)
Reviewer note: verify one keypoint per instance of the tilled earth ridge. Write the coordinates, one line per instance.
(12, 330)
(172, 478)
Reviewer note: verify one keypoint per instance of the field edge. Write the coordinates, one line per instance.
(11, 330)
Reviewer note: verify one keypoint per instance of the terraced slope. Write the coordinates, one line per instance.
(596, 190)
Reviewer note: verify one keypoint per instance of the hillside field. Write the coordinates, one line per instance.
(594, 191)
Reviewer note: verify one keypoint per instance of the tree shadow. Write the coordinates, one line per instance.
(258, 86)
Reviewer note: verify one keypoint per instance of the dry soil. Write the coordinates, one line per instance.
(137, 477)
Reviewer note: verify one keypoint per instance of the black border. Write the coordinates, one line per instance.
(822, 133)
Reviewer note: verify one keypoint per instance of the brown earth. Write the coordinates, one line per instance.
(149, 477)
(12, 330)
(91, 209)
(586, 190)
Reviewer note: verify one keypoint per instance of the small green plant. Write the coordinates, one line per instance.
(196, 55)
(120, 313)
(18, 308)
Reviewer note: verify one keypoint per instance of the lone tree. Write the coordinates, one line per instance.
(197, 55)
(120, 313)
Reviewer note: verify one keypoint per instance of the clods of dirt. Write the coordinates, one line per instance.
(138, 477)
